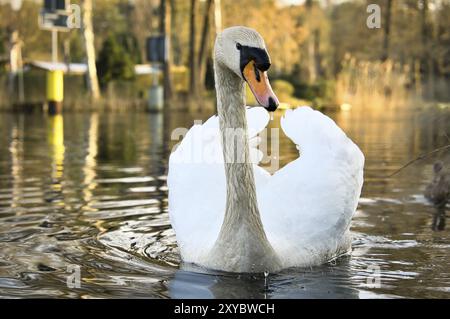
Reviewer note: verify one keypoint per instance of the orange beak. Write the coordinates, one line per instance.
(258, 82)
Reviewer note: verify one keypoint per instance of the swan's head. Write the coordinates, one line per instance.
(242, 50)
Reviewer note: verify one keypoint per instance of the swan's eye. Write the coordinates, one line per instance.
(238, 46)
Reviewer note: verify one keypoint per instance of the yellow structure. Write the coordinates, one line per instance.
(55, 90)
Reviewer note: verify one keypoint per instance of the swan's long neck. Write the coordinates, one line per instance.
(242, 244)
(241, 192)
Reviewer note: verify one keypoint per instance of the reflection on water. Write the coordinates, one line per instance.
(90, 190)
(322, 282)
(439, 218)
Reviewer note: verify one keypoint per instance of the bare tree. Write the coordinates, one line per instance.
(217, 16)
(141, 22)
(387, 30)
(427, 49)
(164, 29)
(311, 44)
(88, 33)
(204, 44)
(175, 36)
(193, 86)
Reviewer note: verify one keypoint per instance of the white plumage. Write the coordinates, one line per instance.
(306, 207)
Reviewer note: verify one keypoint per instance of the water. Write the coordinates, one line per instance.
(89, 191)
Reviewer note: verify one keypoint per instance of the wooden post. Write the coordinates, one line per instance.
(16, 66)
(54, 46)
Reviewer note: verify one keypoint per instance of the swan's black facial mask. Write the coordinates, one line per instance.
(260, 56)
(254, 63)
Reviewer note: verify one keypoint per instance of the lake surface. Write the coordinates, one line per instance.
(88, 192)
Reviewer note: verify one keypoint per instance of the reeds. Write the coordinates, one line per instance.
(375, 84)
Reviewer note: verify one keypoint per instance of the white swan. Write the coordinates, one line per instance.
(232, 215)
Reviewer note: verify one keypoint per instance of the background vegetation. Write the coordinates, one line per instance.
(322, 51)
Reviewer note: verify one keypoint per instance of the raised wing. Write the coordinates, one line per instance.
(197, 187)
(307, 206)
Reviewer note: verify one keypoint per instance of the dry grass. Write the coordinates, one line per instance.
(374, 84)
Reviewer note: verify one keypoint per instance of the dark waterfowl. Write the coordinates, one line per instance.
(438, 191)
